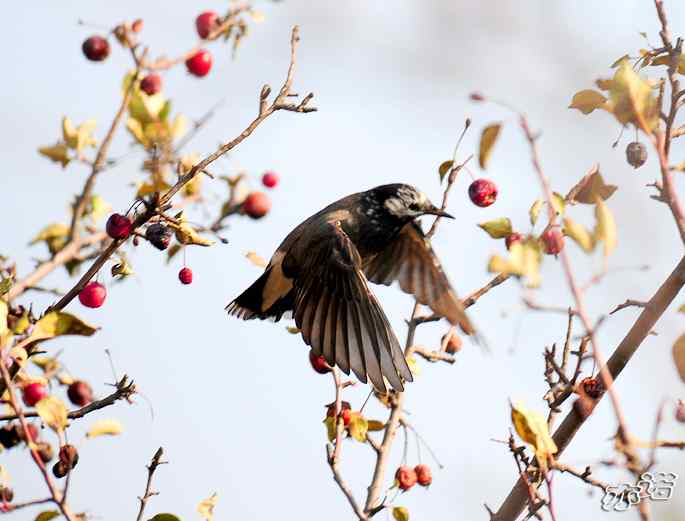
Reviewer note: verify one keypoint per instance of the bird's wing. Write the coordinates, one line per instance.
(410, 260)
(340, 317)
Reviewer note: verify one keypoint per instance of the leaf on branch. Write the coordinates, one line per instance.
(46, 363)
(53, 412)
(179, 126)
(620, 61)
(164, 517)
(375, 425)
(51, 231)
(558, 203)
(531, 426)
(98, 208)
(6, 285)
(589, 188)
(487, 142)
(498, 228)
(122, 269)
(256, 259)
(679, 356)
(400, 513)
(206, 507)
(666, 60)
(58, 323)
(58, 152)
(524, 261)
(632, 99)
(534, 211)
(47, 515)
(186, 234)
(605, 229)
(329, 422)
(104, 427)
(588, 100)
(604, 84)
(19, 355)
(358, 427)
(136, 129)
(78, 138)
(579, 234)
(444, 168)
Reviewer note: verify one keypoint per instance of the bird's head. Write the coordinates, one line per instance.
(406, 202)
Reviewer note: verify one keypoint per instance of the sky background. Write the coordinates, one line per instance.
(236, 405)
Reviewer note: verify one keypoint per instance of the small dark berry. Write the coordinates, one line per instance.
(483, 192)
(185, 276)
(151, 84)
(68, 455)
(96, 48)
(512, 238)
(93, 295)
(159, 235)
(60, 469)
(636, 154)
(552, 240)
(80, 393)
(118, 226)
(424, 476)
(592, 387)
(406, 477)
(33, 393)
(10, 435)
(45, 451)
(319, 363)
(6, 494)
(200, 63)
(257, 205)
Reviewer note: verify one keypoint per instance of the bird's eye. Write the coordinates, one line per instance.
(414, 207)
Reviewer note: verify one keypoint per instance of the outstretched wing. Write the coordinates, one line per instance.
(341, 318)
(410, 260)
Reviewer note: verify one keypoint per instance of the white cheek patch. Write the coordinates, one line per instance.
(395, 206)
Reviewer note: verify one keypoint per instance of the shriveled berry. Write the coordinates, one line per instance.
(159, 235)
(80, 393)
(45, 451)
(452, 342)
(552, 240)
(680, 411)
(319, 363)
(95, 48)
(406, 477)
(60, 469)
(68, 455)
(33, 393)
(512, 238)
(10, 435)
(151, 84)
(118, 226)
(636, 154)
(592, 387)
(185, 275)
(93, 295)
(257, 205)
(270, 179)
(200, 63)
(6, 494)
(205, 23)
(483, 192)
(424, 476)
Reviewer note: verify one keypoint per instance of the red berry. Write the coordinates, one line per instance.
(185, 276)
(453, 343)
(118, 226)
(680, 411)
(552, 240)
(270, 179)
(406, 477)
(257, 205)
(512, 238)
(32, 431)
(151, 84)
(592, 387)
(80, 393)
(200, 63)
(137, 25)
(96, 48)
(60, 469)
(93, 295)
(483, 192)
(33, 393)
(319, 363)
(205, 23)
(346, 412)
(424, 477)
(476, 96)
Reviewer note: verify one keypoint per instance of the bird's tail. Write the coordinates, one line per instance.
(248, 305)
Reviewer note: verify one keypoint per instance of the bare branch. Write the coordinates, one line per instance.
(151, 468)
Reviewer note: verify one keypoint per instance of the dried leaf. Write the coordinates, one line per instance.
(444, 168)
(58, 323)
(59, 153)
(487, 141)
(375, 425)
(531, 426)
(329, 422)
(632, 99)
(534, 211)
(605, 229)
(206, 507)
(524, 261)
(589, 188)
(104, 427)
(358, 427)
(186, 234)
(588, 100)
(256, 259)
(679, 356)
(53, 412)
(681, 309)
(400, 513)
(47, 515)
(498, 228)
(579, 234)
(293, 330)
(51, 231)
(6, 285)
(558, 203)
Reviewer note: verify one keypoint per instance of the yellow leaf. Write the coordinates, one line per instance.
(358, 427)
(531, 426)
(679, 356)
(51, 231)
(632, 99)
(579, 234)
(19, 355)
(206, 507)
(53, 412)
(375, 425)
(104, 427)
(68, 132)
(292, 330)
(605, 229)
(136, 129)
(558, 203)
(487, 141)
(57, 323)
(179, 126)
(524, 261)
(604, 84)
(666, 60)
(329, 422)
(257, 16)
(47, 515)
(6, 284)
(256, 259)
(98, 208)
(588, 100)
(58, 152)
(589, 188)
(122, 269)
(620, 61)
(4, 312)
(414, 366)
(186, 234)
(535, 211)
(444, 168)
(400, 513)
(498, 228)
(681, 309)
(84, 137)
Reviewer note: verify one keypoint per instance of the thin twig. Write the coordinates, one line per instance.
(151, 468)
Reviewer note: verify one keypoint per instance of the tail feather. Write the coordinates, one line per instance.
(248, 305)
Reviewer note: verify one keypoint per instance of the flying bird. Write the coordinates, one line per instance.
(320, 273)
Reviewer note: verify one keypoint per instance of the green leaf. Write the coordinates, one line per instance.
(681, 309)
(400, 513)
(53, 412)
(487, 142)
(605, 229)
(329, 422)
(47, 515)
(579, 234)
(166, 109)
(498, 228)
(679, 356)
(164, 517)
(534, 211)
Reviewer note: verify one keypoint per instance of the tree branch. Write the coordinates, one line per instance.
(151, 468)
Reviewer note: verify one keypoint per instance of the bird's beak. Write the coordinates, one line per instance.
(434, 210)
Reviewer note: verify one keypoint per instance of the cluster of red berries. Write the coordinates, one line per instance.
(13, 434)
(407, 477)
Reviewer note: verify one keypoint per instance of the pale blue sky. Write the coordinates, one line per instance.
(236, 405)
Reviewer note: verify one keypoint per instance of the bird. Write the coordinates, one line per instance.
(321, 271)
